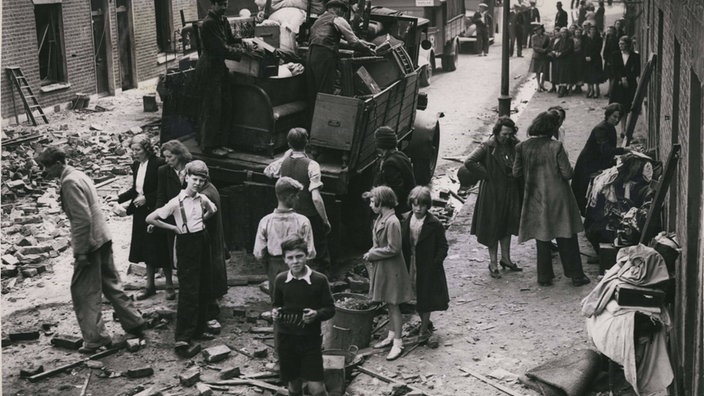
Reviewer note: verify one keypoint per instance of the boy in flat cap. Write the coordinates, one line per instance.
(190, 210)
(393, 168)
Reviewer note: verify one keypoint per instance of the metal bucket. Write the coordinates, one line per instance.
(349, 327)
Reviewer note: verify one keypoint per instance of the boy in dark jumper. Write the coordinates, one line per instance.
(302, 299)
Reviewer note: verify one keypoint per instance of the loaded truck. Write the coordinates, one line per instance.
(374, 91)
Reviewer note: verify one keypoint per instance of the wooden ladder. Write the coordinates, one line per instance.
(31, 105)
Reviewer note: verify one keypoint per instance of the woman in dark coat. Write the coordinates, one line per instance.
(562, 54)
(626, 69)
(424, 248)
(142, 201)
(577, 59)
(610, 48)
(170, 178)
(598, 154)
(498, 206)
(549, 209)
(592, 55)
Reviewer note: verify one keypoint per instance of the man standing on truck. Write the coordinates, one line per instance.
(325, 35)
(218, 44)
(310, 203)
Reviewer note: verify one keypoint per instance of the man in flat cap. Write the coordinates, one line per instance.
(393, 168)
(483, 22)
(325, 35)
(561, 17)
(94, 272)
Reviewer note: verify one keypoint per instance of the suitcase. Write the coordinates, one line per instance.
(634, 296)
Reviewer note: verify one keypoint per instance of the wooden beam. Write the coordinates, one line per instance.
(495, 384)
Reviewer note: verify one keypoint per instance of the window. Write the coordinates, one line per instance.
(162, 13)
(50, 41)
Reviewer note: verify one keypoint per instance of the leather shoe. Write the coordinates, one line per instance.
(580, 281)
(511, 266)
(394, 353)
(204, 337)
(170, 294)
(92, 350)
(494, 273)
(545, 283)
(145, 293)
(384, 343)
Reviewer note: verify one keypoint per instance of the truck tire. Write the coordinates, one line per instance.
(451, 56)
(424, 147)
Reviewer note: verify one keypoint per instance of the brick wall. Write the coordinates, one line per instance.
(19, 48)
(683, 23)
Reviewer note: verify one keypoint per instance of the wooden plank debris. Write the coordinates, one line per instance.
(487, 381)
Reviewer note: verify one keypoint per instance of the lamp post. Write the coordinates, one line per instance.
(504, 98)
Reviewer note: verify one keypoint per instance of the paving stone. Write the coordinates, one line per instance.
(67, 341)
(140, 372)
(189, 377)
(230, 372)
(133, 344)
(216, 353)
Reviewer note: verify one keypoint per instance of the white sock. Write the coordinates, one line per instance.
(398, 342)
(391, 336)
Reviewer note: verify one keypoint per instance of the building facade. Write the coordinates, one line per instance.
(674, 30)
(66, 47)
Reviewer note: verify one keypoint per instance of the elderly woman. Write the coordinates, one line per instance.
(598, 154)
(562, 48)
(549, 209)
(540, 63)
(592, 44)
(498, 206)
(142, 201)
(170, 178)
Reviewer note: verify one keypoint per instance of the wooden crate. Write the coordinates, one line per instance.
(335, 120)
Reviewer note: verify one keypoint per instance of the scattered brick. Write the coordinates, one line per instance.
(9, 271)
(67, 341)
(30, 272)
(252, 316)
(191, 351)
(137, 269)
(230, 372)
(95, 364)
(260, 352)
(24, 335)
(261, 330)
(6, 341)
(36, 249)
(33, 219)
(31, 370)
(189, 377)
(239, 311)
(140, 372)
(41, 268)
(203, 389)
(216, 353)
(133, 344)
(214, 327)
(27, 241)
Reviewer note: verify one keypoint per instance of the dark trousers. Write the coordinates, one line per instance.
(215, 111)
(320, 240)
(483, 40)
(569, 256)
(322, 71)
(194, 297)
(88, 284)
(516, 37)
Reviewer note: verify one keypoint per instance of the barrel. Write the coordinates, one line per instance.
(349, 327)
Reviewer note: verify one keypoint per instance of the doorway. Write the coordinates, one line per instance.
(102, 56)
(128, 72)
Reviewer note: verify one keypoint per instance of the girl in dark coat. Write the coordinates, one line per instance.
(592, 56)
(598, 154)
(424, 249)
(626, 69)
(144, 246)
(562, 52)
(498, 208)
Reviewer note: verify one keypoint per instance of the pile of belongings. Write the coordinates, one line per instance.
(618, 199)
(627, 315)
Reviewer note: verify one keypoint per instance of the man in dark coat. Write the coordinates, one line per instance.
(516, 26)
(393, 168)
(218, 44)
(325, 35)
(483, 22)
(561, 17)
(532, 14)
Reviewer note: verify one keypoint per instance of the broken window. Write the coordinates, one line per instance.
(162, 10)
(50, 41)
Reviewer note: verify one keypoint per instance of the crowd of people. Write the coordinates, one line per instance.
(585, 54)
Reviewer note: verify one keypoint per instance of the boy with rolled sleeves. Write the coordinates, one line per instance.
(277, 226)
(302, 300)
(190, 209)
